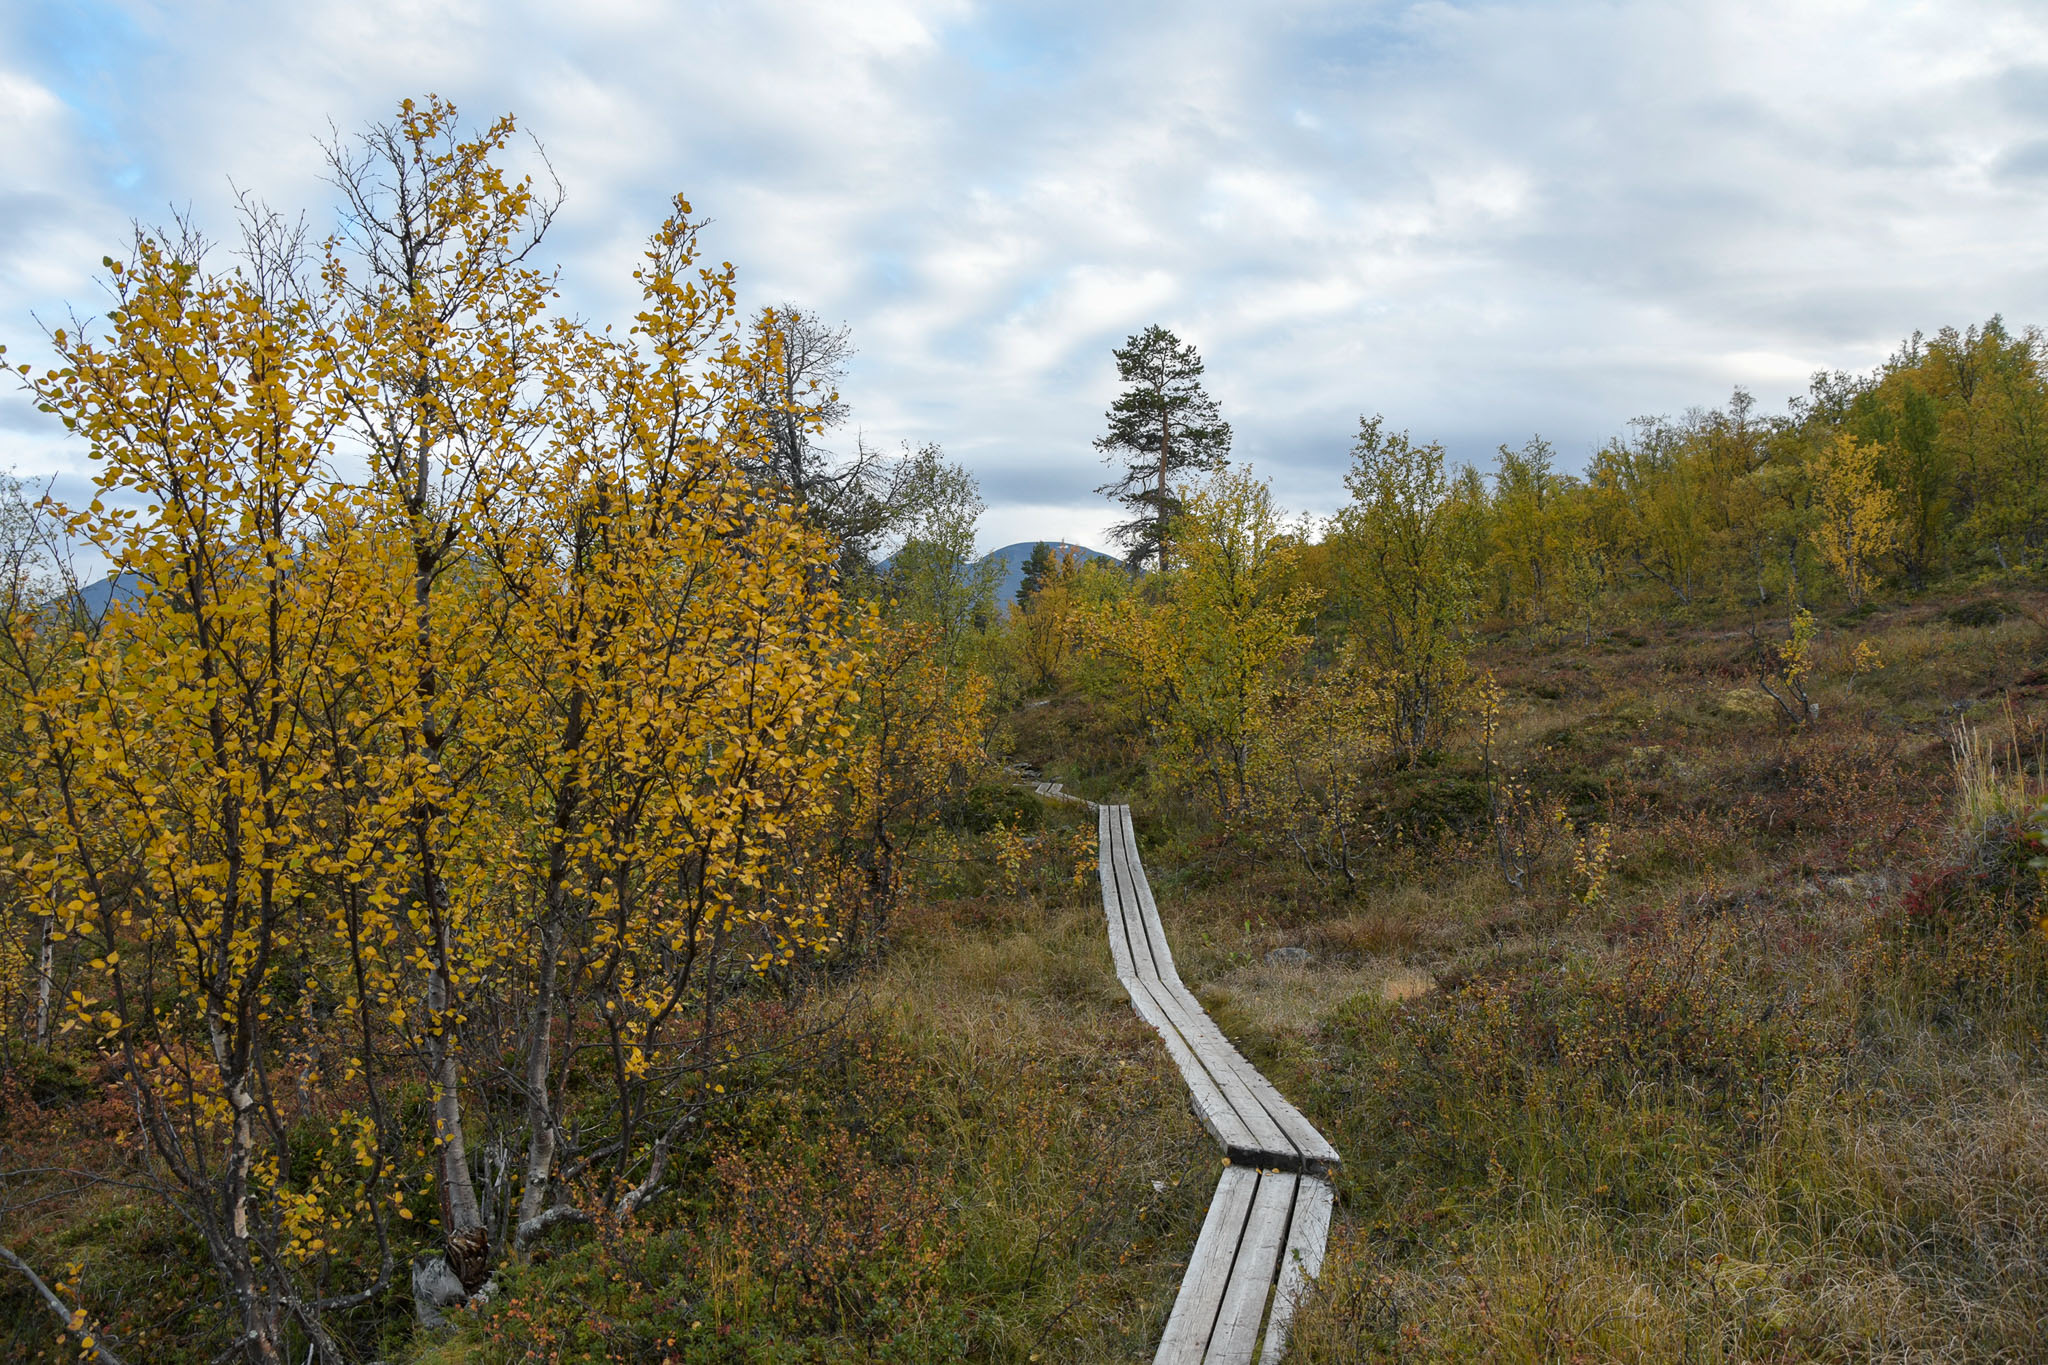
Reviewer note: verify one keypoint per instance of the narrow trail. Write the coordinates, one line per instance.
(1263, 1239)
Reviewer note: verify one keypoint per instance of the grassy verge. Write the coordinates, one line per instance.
(1775, 1091)
(995, 1163)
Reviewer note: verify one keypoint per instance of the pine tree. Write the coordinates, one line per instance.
(1037, 570)
(1164, 424)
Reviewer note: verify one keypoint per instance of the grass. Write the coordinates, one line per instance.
(1778, 1095)
(1001, 1166)
(988, 1158)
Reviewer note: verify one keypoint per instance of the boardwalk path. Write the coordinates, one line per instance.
(1263, 1239)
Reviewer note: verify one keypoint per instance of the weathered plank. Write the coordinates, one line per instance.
(1251, 1278)
(1263, 1238)
(1292, 1140)
(1263, 1141)
(1112, 896)
(1217, 1113)
(1307, 1140)
(1265, 1137)
(1057, 791)
(1307, 1233)
(1302, 1142)
(1213, 1108)
(1186, 1339)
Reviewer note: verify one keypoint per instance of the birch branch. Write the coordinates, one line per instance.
(73, 1319)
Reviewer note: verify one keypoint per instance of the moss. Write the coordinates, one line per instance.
(53, 1079)
(1425, 804)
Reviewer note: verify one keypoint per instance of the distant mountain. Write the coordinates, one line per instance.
(124, 588)
(1013, 557)
(127, 588)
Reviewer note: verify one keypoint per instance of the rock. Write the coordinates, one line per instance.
(435, 1286)
(1290, 956)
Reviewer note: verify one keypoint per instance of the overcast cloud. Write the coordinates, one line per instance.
(1482, 220)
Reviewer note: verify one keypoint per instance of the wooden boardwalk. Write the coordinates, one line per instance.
(1263, 1239)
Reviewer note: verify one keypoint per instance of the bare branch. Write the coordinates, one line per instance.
(73, 1319)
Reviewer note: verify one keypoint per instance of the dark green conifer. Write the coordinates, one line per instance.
(1163, 425)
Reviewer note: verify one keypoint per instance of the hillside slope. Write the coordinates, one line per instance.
(1750, 1065)
(1013, 558)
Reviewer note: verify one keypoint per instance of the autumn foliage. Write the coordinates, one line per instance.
(480, 728)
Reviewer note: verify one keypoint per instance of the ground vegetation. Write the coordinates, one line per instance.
(534, 861)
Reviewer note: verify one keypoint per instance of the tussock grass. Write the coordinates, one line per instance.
(1992, 780)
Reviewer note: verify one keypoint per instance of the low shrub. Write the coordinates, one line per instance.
(1978, 615)
(1575, 1071)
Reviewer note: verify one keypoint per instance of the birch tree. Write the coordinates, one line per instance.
(1404, 584)
(1857, 521)
(480, 717)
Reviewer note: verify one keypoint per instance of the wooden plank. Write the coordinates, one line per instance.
(1262, 1141)
(1212, 1110)
(1316, 1150)
(1162, 952)
(1301, 1139)
(1228, 1071)
(1112, 907)
(1216, 1113)
(1263, 1238)
(1251, 1278)
(1263, 1138)
(1256, 1101)
(1186, 1339)
(1307, 1234)
(1057, 791)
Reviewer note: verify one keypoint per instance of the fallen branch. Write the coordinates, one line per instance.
(538, 1226)
(657, 1163)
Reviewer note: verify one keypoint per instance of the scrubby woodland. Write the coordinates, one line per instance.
(529, 863)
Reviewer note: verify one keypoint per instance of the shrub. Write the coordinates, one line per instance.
(988, 805)
(1977, 615)
(1970, 933)
(1562, 1071)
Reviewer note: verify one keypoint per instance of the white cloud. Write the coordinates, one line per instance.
(1483, 219)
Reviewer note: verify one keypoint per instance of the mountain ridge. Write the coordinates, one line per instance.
(1014, 556)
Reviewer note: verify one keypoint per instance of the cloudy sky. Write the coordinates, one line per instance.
(1483, 220)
